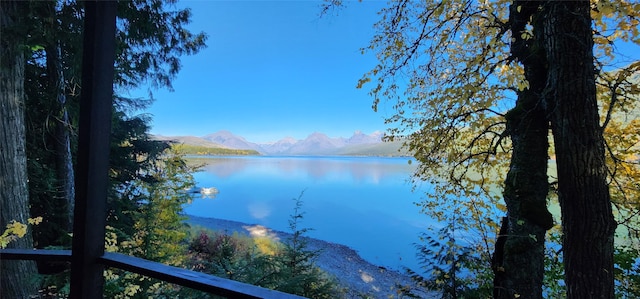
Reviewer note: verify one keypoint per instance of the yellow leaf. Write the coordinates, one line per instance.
(34, 221)
(606, 9)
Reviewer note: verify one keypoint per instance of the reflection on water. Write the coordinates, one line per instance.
(364, 203)
(259, 210)
(355, 169)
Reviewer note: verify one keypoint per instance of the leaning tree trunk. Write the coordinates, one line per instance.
(14, 201)
(518, 262)
(588, 224)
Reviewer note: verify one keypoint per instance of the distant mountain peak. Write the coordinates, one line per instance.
(188, 140)
(360, 138)
(223, 134)
(228, 139)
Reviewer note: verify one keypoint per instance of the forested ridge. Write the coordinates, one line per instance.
(188, 149)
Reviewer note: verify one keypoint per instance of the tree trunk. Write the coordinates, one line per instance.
(588, 224)
(518, 262)
(14, 201)
(520, 270)
(64, 164)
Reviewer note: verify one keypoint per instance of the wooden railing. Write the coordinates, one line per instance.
(183, 277)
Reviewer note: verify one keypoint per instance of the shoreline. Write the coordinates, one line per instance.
(359, 277)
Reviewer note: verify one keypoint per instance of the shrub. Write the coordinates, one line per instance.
(288, 267)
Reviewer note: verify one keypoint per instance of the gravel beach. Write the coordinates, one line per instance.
(360, 278)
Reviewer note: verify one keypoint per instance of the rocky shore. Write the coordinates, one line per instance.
(358, 277)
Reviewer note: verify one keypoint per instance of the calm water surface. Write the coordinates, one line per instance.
(362, 202)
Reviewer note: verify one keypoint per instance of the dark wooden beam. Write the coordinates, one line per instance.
(93, 149)
(36, 255)
(191, 279)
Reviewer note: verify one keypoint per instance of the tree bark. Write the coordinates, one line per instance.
(64, 164)
(520, 271)
(588, 223)
(14, 201)
(518, 262)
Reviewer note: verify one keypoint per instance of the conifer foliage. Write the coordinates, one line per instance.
(151, 37)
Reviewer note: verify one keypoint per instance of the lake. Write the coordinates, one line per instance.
(365, 203)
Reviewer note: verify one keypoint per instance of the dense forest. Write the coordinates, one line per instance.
(518, 112)
(189, 149)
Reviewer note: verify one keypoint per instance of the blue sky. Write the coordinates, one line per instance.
(275, 69)
(272, 69)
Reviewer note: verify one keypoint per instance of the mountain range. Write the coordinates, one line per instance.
(316, 144)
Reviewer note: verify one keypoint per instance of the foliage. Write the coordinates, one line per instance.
(160, 234)
(452, 73)
(447, 110)
(620, 91)
(449, 265)
(16, 230)
(458, 270)
(159, 218)
(627, 271)
(454, 260)
(287, 267)
(211, 151)
(446, 68)
(296, 262)
(554, 286)
(151, 36)
(133, 158)
(230, 256)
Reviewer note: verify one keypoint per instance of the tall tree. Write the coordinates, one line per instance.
(518, 261)
(159, 231)
(453, 77)
(588, 224)
(14, 201)
(52, 86)
(151, 37)
(64, 163)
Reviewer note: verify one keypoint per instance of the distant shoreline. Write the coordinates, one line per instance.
(295, 156)
(316, 144)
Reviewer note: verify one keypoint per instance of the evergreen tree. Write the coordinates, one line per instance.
(145, 29)
(159, 233)
(14, 198)
(296, 263)
(151, 35)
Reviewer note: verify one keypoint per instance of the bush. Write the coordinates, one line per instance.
(288, 267)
